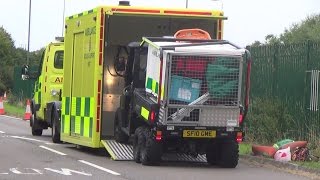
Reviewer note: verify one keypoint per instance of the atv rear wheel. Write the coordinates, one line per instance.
(151, 151)
(229, 154)
(212, 153)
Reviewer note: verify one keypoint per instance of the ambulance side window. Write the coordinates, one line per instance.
(41, 62)
(58, 60)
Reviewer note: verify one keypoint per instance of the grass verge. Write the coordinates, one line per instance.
(14, 110)
(309, 164)
(245, 149)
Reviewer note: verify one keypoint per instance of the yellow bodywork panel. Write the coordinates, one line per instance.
(51, 77)
(82, 69)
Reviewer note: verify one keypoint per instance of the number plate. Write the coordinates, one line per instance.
(199, 133)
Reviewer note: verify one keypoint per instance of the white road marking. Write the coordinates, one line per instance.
(1, 132)
(48, 143)
(68, 172)
(30, 139)
(52, 150)
(16, 171)
(11, 117)
(99, 167)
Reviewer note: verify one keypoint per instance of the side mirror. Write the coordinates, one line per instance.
(25, 72)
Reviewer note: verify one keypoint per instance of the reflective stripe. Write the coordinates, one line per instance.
(162, 92)
(152, 85)
(83, 106)
(82, 126)
(144, 113)
(77, 124)
(80, 119)
(82, 14)
(67, 106)
(86, 124)
(66, 124)
(155, 87)
(63, 110)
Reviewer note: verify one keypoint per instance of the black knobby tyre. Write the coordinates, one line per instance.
(151, 152)
(120, 136)
(229, 154)
(32, 115)
(31, 119)
(55, 130)
(138, 142)
(36, 131)
(212, 153)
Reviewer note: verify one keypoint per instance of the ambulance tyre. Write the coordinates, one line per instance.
(32, 114)
(31, 121)
(55, 130)
(138, 141)
(212, 153)
(229, 155)
(151, 150)
(120, 136)
(34, 128)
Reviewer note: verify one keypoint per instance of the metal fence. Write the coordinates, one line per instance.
(285, 92)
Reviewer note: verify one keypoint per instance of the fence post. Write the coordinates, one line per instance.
(275, 70)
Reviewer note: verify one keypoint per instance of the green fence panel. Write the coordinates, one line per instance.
(23, 88)
(287, 77)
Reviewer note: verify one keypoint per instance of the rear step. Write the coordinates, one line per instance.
(123, 152)
(118, 151)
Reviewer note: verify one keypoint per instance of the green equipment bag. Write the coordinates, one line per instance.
(222, 77)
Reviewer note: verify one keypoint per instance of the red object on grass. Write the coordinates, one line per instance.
(264, 150)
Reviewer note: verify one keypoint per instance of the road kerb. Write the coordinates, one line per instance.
(283, 165)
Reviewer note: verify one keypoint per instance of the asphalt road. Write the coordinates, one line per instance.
(23, 156)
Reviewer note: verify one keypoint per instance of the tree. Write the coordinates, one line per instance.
(256, 43)
(6, 47)
(11, 57)
(7, 50)
(308, 29)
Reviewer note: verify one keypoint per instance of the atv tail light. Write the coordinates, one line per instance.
(239, 137)
(152, 117)
(240, 118)
(159, 135)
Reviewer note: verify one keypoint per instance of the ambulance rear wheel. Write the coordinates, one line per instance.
(31, 121)
(55, 130)
(36, 131)
(32, 114)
